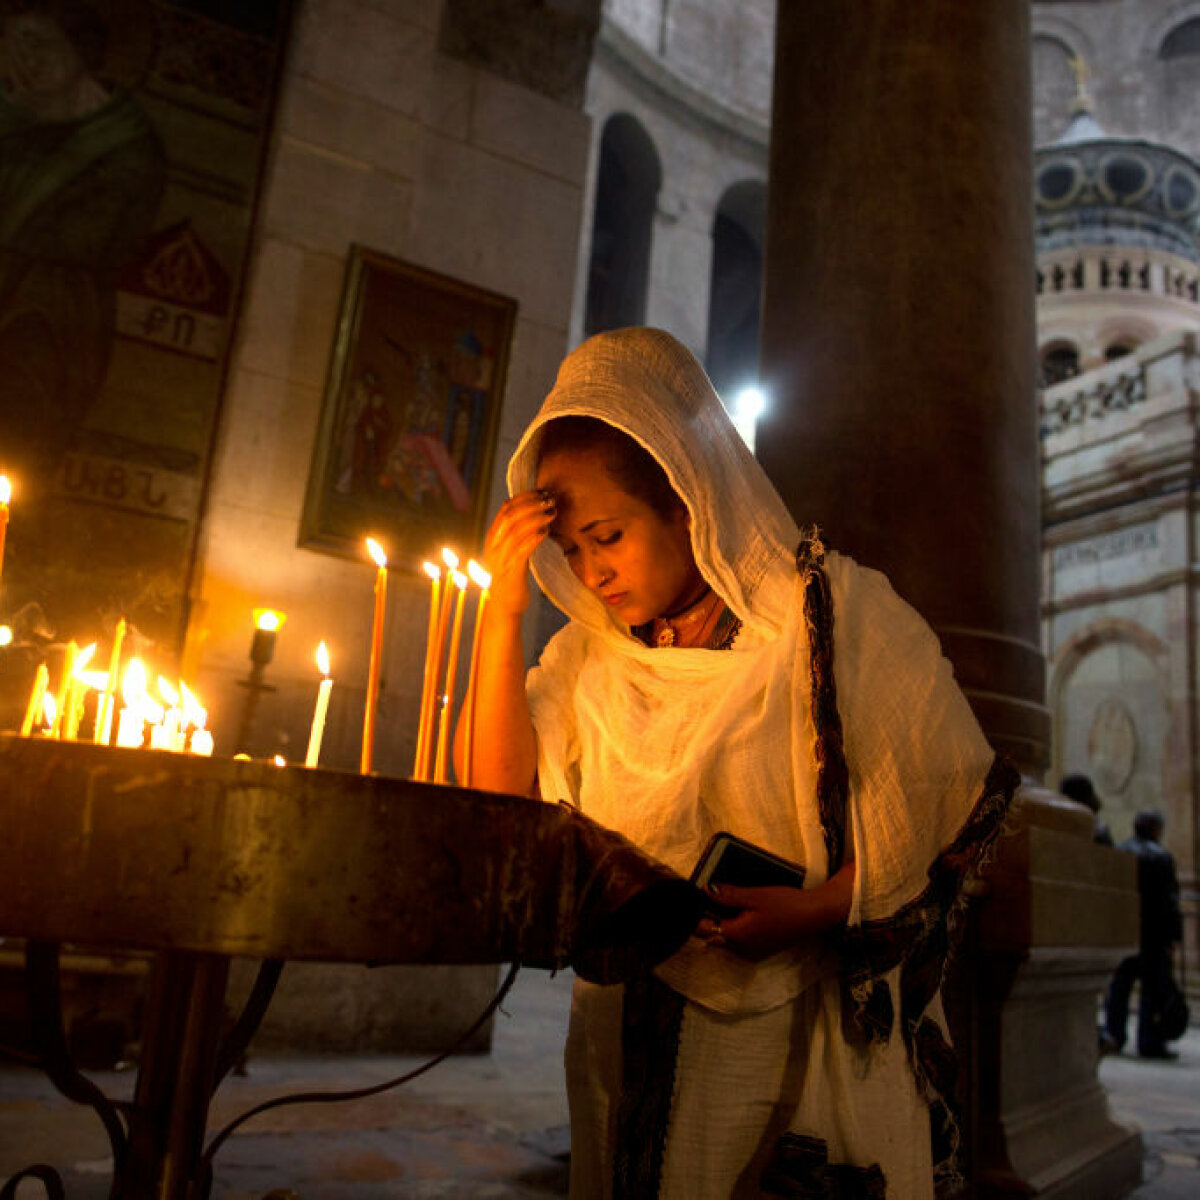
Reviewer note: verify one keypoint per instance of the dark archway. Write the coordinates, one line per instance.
(627, 185)
(735, 295)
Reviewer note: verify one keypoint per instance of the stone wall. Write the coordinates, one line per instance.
(705, 107)
(386, 141)
(1118, 589)
(1136, 93)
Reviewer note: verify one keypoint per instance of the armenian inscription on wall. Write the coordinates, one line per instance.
(1109, 560)
(132, 134)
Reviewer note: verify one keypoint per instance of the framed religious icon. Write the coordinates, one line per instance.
(412, 407)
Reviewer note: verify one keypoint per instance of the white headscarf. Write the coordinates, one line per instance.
(671, 746)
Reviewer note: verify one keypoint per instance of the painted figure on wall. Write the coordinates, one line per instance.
(81, 177)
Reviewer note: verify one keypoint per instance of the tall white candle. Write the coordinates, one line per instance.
(484, 580)
(431, 667)
(313, 757)
(376, 662)
(441, 773)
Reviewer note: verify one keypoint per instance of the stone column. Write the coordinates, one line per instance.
(898, 328)
(898, 357)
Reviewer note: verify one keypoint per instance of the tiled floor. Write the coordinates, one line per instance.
(489, 1127)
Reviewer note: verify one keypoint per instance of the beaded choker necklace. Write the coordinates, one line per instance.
(690, 626)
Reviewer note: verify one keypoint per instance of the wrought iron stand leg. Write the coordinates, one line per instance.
(180, 1046)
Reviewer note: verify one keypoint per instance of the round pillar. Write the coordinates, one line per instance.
(898, 341)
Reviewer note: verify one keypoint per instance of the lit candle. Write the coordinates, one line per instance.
(202, 743)
(435, 574)
(139, 707)
(81, 680)
(441, 772)
(70, 655)
(376, 662)
(49, 713)
(41, 679)
(108, 700)
(5, 497)
(168, 735)
(484, 580)
(313, 757)
(193, 716)
(267, 624)
(429, 715)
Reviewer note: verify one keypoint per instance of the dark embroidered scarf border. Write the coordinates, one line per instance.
(652, 1017)
(833, 780)
(800, 1170)
(921, 934)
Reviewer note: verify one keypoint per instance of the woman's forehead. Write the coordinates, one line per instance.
(583, 488)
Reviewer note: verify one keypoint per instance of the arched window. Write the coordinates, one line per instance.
(627, 184)
(1179, 54)
(1059, 362)
(735, 289)
(1183, 41)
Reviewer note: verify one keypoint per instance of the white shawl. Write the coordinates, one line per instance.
(670, 746)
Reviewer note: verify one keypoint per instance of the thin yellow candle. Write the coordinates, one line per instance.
(429, 714)
(5, 497)
(194, 715)
(70, 656)
(441, 772)
(171, 733)
(81, 681)
(435, 575)
(33, 709)
(108, 700)
(375, 666)
(313, 757)
(484, 581)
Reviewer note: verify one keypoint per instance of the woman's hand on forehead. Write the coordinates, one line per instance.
(520, 526)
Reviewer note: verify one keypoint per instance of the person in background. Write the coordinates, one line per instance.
(1079, 788)
(1161, 931)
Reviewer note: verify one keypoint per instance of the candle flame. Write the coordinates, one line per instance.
(375, 550)
(6, 635)
(194, 713)
(82, 659)
(5, 490)
(268, 620)
(479, 575)
(323, 659)
(133, 683)
(168, 691)
(432, 570)
(49, 709)
(280, 761)
(97, 680)
(460, 580)
(449, 558)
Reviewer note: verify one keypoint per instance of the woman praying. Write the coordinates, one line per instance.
(720, 672)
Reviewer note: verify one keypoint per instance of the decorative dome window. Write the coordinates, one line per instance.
(1124, 178)
(1058, 182)
(1181, 196)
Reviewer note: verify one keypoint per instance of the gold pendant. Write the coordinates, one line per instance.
(665, 636)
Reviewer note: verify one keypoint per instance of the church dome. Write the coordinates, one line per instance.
(1092, 189)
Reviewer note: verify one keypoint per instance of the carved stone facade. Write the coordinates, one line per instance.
(1116, 111)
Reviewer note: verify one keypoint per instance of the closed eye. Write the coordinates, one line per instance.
(609, 538)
